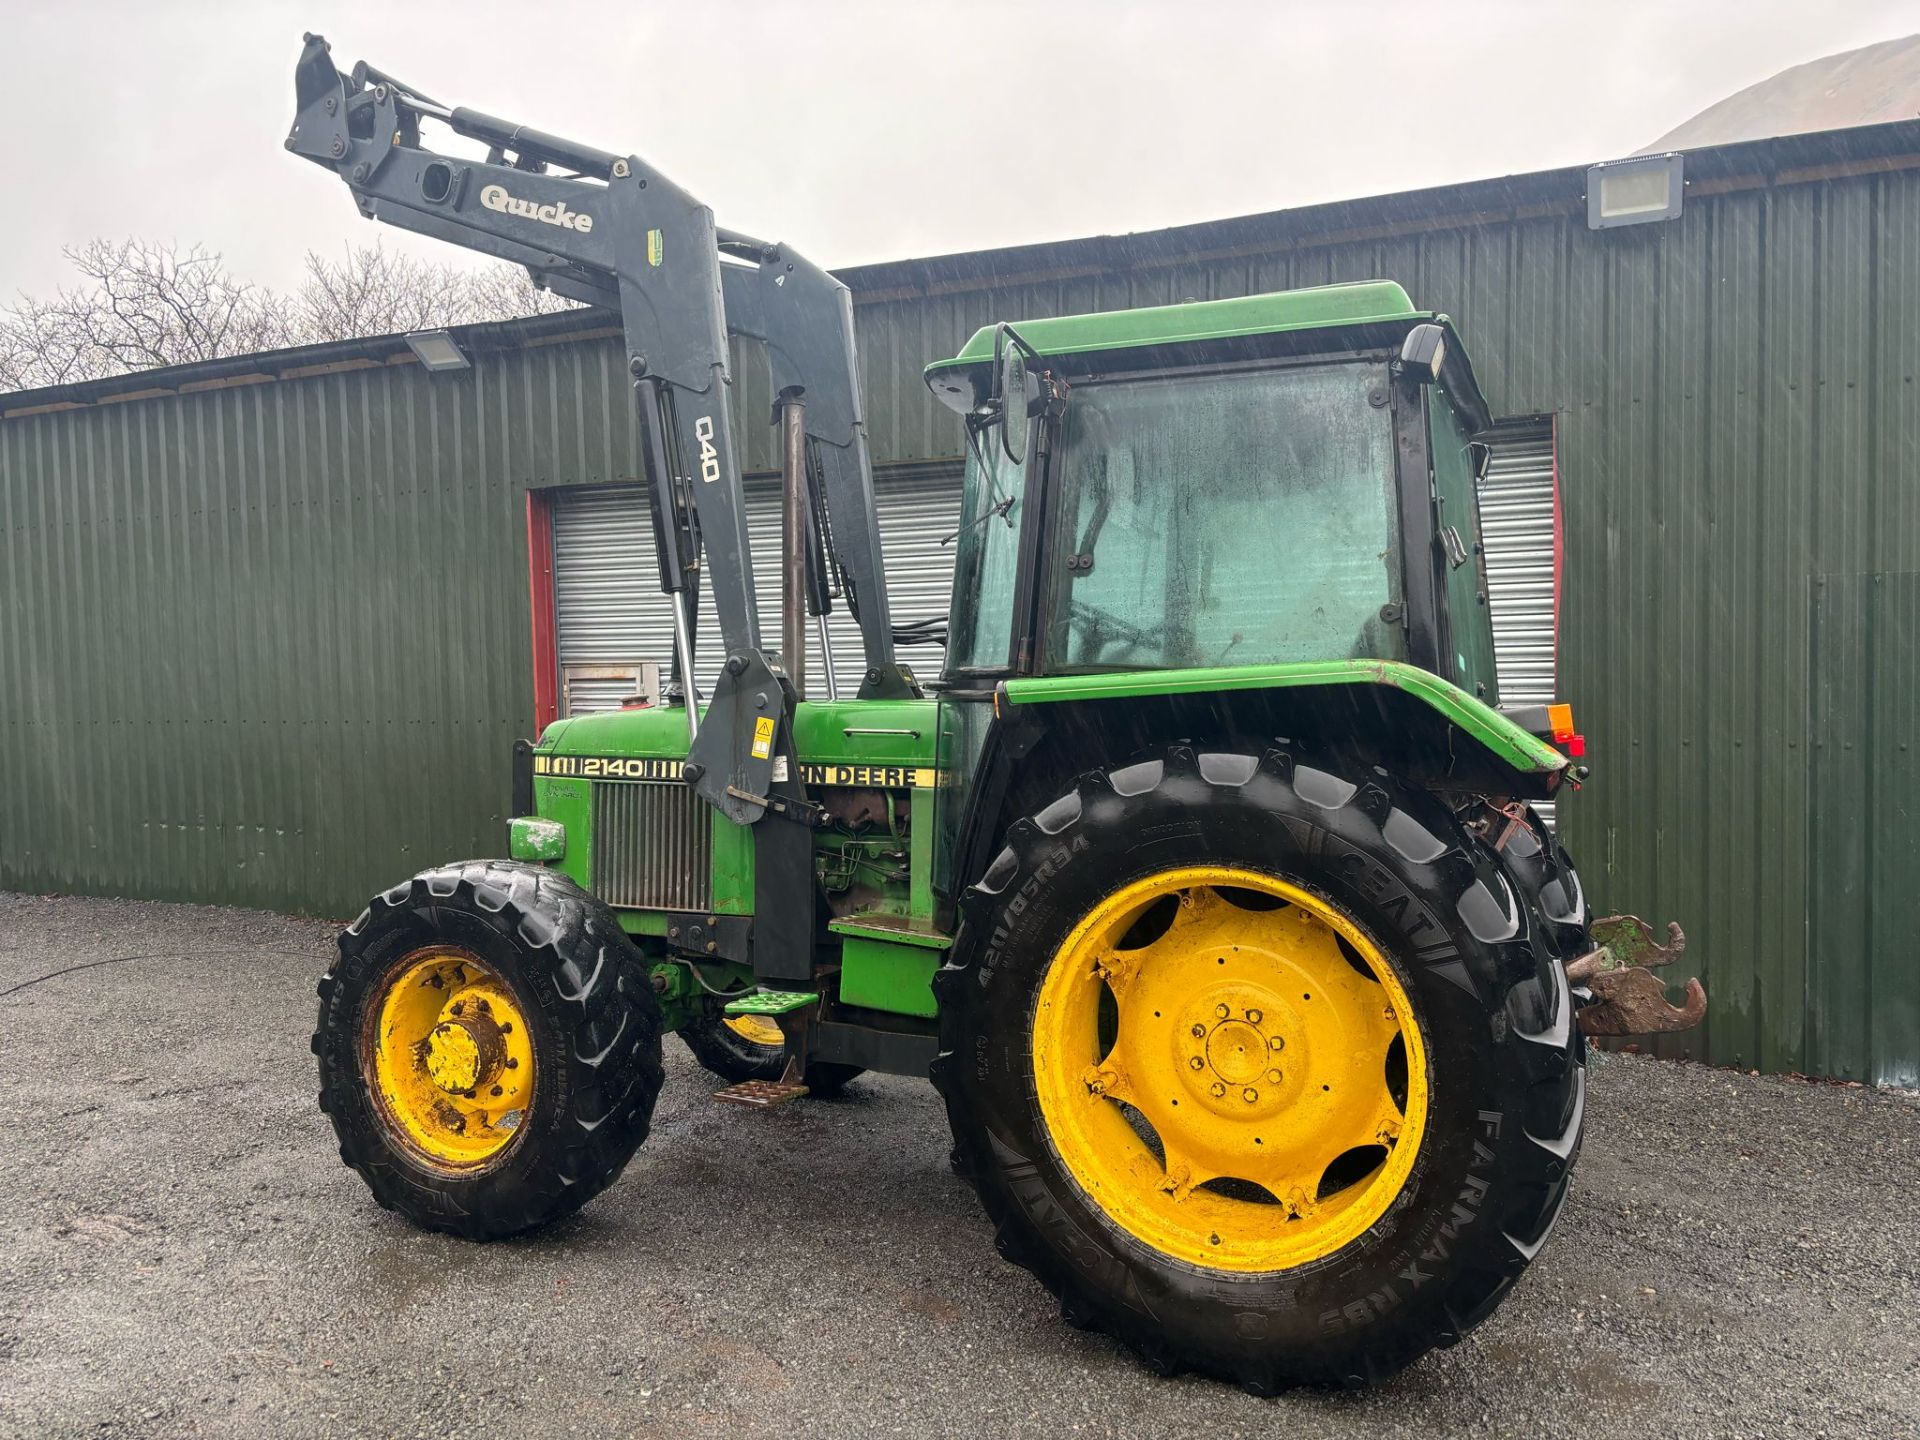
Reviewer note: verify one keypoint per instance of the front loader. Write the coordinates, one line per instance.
(1205, 882)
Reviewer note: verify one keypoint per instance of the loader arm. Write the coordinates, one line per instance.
(610, 229)
(805, 318)
(613, 231)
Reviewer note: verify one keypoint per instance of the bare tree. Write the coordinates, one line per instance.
(507, 292)
(34, 352)
(142, 305)
(375, 292)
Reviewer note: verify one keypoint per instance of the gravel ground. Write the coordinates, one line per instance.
(182, 1253)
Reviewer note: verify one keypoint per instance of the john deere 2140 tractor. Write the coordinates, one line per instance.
(1203, 882)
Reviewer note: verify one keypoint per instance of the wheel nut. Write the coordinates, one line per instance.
(1274, 1075)
(1199, 1032)
(1253, 1017)
(1277, 1043)
(1249, 1094)
(1218, 1089)
(1197, 1063)
(1222, 1011)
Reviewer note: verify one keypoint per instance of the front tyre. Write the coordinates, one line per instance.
(1260, 1068)
(489, 1048)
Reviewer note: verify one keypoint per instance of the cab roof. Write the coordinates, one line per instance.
(1362, 302)
(1373, 311)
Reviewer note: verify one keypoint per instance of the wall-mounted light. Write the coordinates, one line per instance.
(1634, 192)
(436, 350)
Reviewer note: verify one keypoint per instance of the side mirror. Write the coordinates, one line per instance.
(1015, 388)
(1013, 403)
(1482, 454)
(1424, 352)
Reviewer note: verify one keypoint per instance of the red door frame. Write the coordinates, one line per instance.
(546, 654)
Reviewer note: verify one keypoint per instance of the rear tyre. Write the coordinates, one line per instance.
(1193, 1157)
(1543, 873)
(750, 1047)
(489, 1048)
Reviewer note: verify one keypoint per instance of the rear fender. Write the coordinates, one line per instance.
(1429, 730)
(1049, 729)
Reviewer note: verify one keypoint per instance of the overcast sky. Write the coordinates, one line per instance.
(869, 131)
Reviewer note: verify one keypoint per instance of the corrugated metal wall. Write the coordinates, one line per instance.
(260, 644)
(270, 645)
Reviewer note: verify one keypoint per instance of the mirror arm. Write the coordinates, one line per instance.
(1014, 335)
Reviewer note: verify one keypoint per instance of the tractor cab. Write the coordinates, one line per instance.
(1253, 516)
(1266, 480)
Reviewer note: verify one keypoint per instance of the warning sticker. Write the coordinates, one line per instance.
(763, 737)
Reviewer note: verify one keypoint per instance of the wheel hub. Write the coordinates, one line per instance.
(1264, 1044)
(465, 1050)
(448, 1058)
(1232, 1060)
(1237, 1052)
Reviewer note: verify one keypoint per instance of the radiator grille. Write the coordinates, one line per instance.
(651, 845)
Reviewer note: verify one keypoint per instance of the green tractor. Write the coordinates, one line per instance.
(1204, 882)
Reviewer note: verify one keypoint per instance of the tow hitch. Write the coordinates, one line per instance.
(1628, 998)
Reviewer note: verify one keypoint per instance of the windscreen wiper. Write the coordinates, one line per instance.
(999, 507)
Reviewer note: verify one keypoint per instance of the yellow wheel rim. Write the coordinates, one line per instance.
(757, 1029)
(1230, 1083)
(450, 1058)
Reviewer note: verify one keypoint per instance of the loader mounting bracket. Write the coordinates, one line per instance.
(1627, 997)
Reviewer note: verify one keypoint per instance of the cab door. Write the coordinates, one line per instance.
(1467, 659)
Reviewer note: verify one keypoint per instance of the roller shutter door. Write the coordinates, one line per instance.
(608, 609)
(1517, 524)
(918, 510)
(1519, 502)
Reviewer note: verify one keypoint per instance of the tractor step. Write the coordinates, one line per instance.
(770, 1002)
(760, 1094)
